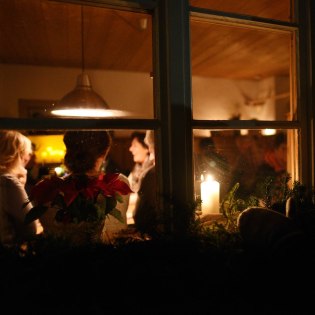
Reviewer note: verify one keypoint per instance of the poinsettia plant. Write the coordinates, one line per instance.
(78, 198)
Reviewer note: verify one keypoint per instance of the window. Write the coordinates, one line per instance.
(42, 60)
(243, 71)
(162, 71)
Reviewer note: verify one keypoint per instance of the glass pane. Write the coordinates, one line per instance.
(49, 150)
(129, 155)
(43, 54)
(277, 10)
(240, 73)
(245, 160)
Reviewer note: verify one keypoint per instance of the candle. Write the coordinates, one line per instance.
(210, 196)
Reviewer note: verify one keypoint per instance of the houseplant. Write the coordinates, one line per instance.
(76, 206)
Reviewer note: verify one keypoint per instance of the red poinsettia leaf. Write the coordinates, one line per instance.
(88, 193)
(101, 176)
(91, 190)
(121, 187)
(77, 196)
(69, 191)
(46, 190)
(109, 177)
(115, 185)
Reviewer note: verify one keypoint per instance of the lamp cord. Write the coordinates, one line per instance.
(82, 39)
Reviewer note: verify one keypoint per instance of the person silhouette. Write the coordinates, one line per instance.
(147, 217)
(141, 154)
(14, 152)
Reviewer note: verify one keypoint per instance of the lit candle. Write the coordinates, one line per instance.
(210, 196)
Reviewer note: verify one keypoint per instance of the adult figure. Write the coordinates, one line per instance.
(275, 159)
(246, 161)
(147, 217)
(274, 169)
(32, 168)
(14, 153)
(140, 153)
(84, 158)
(21, 171)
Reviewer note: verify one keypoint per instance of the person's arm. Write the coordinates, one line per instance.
(146, 212)
(16, 197)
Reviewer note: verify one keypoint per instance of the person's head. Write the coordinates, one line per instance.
(280, 148)
(15, 150)
(206, 145)
(86, 150)
(138, 147)
(149, 140)
(29, 151)
(31, 160)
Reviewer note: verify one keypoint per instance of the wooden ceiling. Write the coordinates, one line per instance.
(48, 33)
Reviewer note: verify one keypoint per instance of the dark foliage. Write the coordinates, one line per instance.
(190, 276)
(207, 272)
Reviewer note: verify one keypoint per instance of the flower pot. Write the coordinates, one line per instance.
(77, 234)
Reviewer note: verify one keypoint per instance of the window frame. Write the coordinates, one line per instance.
(300, 68)
(173, 122)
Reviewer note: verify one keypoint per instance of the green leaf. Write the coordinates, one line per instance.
(111, 203)
(34, 214)
(119, 198)
(117, 214)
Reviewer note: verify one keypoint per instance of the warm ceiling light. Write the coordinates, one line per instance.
(83, 101)
(268, 132)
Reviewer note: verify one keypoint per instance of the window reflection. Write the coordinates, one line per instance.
(247, 158)
(49, 150)
(239, 71)
(132, 154)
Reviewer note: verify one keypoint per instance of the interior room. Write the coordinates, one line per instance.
(218, 96)
(243, 77)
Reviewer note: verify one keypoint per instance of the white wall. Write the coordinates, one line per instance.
(221, 98)
(121, 90)
(212, 98)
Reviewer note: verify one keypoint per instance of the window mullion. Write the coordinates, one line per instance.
(305, 95)
(175, 110)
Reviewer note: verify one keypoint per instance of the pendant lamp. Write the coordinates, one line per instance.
(83, 101)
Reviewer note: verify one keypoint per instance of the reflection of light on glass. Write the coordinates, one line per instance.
(244, 132)
(268, 132)
(210, 196)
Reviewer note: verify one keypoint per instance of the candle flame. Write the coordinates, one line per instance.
(209, 178)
